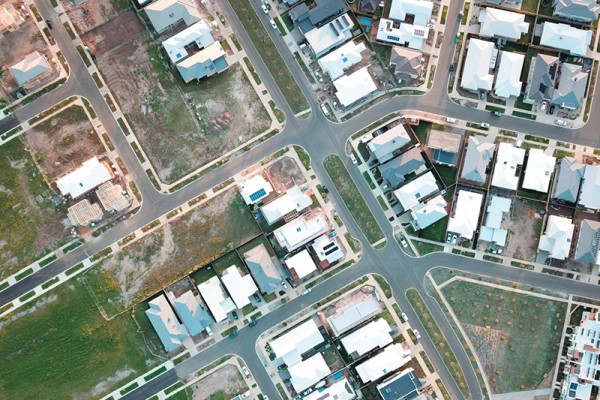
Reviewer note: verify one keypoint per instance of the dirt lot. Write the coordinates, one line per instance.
(523, 230)
(285, 173)
(220, 112)
(113, 34)
(63, 142)
(93, 13)
(224, 383)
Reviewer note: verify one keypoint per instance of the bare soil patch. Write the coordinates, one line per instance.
(285, 173)
(113, 33)
(93, 13)
(524, 230)
(224, 383)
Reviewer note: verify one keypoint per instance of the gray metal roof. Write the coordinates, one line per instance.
(404, 386)
(407, 62)
(571, 88)
(579, 10)
(568, 180)
(588, 241)
(307, 19)
(263, 269)
(395, 170)
(477, 158)
(545, 71)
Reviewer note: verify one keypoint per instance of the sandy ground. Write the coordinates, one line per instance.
(113, 34)
(522, 235)
(285, 173)
(226, 379)
(93, 13)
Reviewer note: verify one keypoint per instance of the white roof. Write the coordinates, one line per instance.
(302, 264)
(32, 66)
(539, 171)
(411, 194)
(496, 207)
(557, 238)
(476, 71)
(85, 178)
(505, 171)
(372, 335)
(508, 79)
(353, 315)
(401, 33)
(330, 35)
(339, 60)
(565, 37)
(218, 303)
(340, 390)
(292, 200)
(421, 10)
(382, 146)
(291, 345)
(301, 230)
(393, 357)
(239, 287)
(327, 249)
(589, 197)
(308, 372)
(165, 323)
(198, 33)
(351, 88)
(254, 189)
(164, 13)
(506, 24)
(466, 214)
(429, 213)
(202, 63)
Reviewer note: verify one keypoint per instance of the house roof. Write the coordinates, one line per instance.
(263, 269)
(500, 23)
(255, 189)
(393, 357)
(291, 345)
(426, 214)
(557, 238)
(571, 87)
(582, 10)
(164, 13)
(508, 78)
(292, 201)
(301, 264)
(446, 141)
(353, 315)
(416, 190)
(308, 372)
(565, 37)
(324, 10)
(507, 170)
(413, 36)
(199, 33)
(327, 249)
(165, 323)
(589, 196)
(340, 390)
(194, 317)
(491, 235)
(239, 287)
(351, 88)
(215, 298)
(466, 214)
(90, 174)
(301, 230)
(568, 180)
(476, 70)
(539, 171)
(491, 231)
(112, 197)
(543, 76)
(330, 35)
(383, 146)
(29, 68)
(394, 171)
(588, 242)
(402, 386)
(84, 212)
(407, 62)
(368, 337)
(478, 156)
(420, 9)
(204, 63)
(339, 60)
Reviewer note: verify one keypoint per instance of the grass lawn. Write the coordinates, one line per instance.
(422, 130)
(519, 103)
(501, 325)
(64, 348)
(352, 198)
(524, 115)
(382, 54)
(465, 13)
(369, 180)
(203, 274)
(530, 5)
(444, 15)
(384, 285)
(227, 261)
(447, 173)
(265, 47)
(303, 156)
(495, 108)
(426, 248)
(436, 231)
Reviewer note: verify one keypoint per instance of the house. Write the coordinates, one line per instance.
(585, 11)
(375, 334)
(419, 10)
(588, 242)
(384, 145)
(306, 373)
(215, 298)
(351, 88)
(327, 251)
(589, 195)
(83, 213)
(239, 287)
(502, 24)
(263, 269)
(481, 57)
(571, 87)
(205, 63)
(286, 207)
(508, 79)
(402, 386)
(301, 230)
(169, 330)
(340, 390)
(507, 170)
(390, 359)
(477, 159)
(291, 345)
(353, 315)
(10, 18)
(406, 63)
(88, 176)
(112, 197)
(301, 265)
(164, 13)
(466, 214)
(445, 145)
(428, 213)
(330, 35)
(556, 240)
(31, 67)
(568, 180)
(542, 77)
(539, 171)
(192, 39)
(255, 189)
(325, 10)
(336, 63)
(192, 314)
(565, 37)
(394, 172)
(491, 231)
(414, 192)
(367, 6)
(403, 34)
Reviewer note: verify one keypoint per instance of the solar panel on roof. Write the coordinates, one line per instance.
(334, 30)
(419, 32)
(328, 252)
(328, 246)
(394, 38)
(258, 194)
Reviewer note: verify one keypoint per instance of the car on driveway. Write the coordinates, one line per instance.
(245, 371)
(257, 297)
(452, 67)
(457, 37)
(353, 158)
(285, 286)
(233, 334)
(403, 242)
(552, 108)
(251, 324)
(234, 315)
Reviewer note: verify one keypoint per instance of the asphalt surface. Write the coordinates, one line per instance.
(319, 137)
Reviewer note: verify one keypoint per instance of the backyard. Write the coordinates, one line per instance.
(524, 228)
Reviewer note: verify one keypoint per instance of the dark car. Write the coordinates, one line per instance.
(253, 323)
(452, 67)
(325, 189)
(552, 108)
(460, 15)
(257, 298)
(234, 315)
(233, 334)
(49, 24)
(496, 113)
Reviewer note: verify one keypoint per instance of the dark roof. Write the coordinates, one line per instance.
(571, 88)
(568, 180)
(543, 77)
(368, 6)
(407, 63)
(401, 387)
(325, 11)
(581, 10)
(395, 170)
(299, 12)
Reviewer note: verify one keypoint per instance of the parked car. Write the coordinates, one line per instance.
(403, 242)
(307, 291)
(264, 8)
(252, 323)
(233, 334)
(49, 24)
(332, 234)
(285, 286)
(452, 67)
(417, 334)
(460, 15)
(281, 367)
(273, 24)
(325, 189)
(543, 106)
(552, 108)
(451, 120)
(496, 113)
(457, 37)
(484, 125)
(257, 297)
(454, 239)
(561, 122)
(404, 317)
(245, 395)
(234, 315)
(449, 238)
(245, 371)
(353, 158)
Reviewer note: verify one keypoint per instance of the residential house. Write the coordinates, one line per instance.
(301, 230)
(169, 330)
(589, 195)
(394, 171)
(568, 180)
(203, 64)
(291, 345)
(327, 251)
(336, 63)
(429, 212)
(407, 64)
(301, 265)
(508, 79)
(84, 213)
(565, 37)
(112, 197)
(325, 10)
(571, 87)
(384, 145)
(88, 176)
(351, 88)
(481, 57)
(588, 242)
(585, 11)
(390, 359)
(492, 232)
(556, 240)
(509, 161)
(241, 288)
(286, 207)
(504, 24)
(195, 317)
(262, 267)
(33, 66)
(255, 189)
(353, 315)
(539, 171)
(306, 373)
(375, 334)
(417, 190)
(165, 13)
(467, 209)
(445, 145)
(340, 390)
(189, 41)
(402, 386)
(10, 18)
(542, 77)
(477, 159)
(419, 11)
(215, 298)
(367, 6)
(403, 34)
(330, 35)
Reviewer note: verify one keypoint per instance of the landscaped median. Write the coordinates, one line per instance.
(353, 199)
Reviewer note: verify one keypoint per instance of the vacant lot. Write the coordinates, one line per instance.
(93, 13)
(30, 224)
(63, 142)
(62, 347)
(285, 173)
(516, 336)
(524, 230)
(176, 249)
(224, 383)
(181, 126)
(114, 33)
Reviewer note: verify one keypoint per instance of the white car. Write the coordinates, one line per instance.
(484, 125)
(451, 120)
(307, 291)
(264, 8)
(403, 242)
(245, 371)
(273, 24)
(284, 285)
(417, 334)
(404, 317)
(561, 122)
(353, 158)
(245, 395)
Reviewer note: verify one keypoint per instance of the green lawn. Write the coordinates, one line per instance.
(447, 173)
(436, 231)
(352, 198)
(384, 285)
(444, 15)
(227, 261)
(422, 130)
(519, 103)
(303, 156)
(465, 13)
(530, 5)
